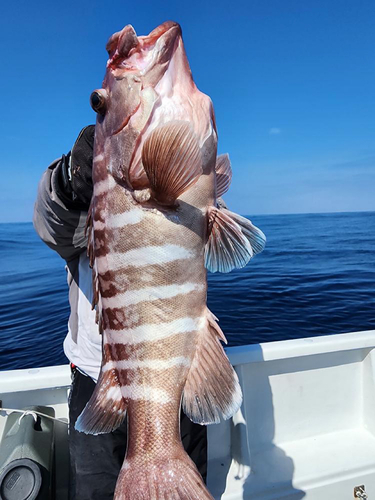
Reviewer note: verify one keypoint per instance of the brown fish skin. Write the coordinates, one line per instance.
(154, 183)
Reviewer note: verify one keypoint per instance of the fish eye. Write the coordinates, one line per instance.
(98, 101)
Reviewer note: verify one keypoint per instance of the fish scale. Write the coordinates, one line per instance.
(154, 229)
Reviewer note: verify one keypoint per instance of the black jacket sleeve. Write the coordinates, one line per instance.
(57, 222)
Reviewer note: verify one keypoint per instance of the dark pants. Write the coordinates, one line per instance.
(95, 461)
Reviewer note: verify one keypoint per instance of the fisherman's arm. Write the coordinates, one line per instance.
(63, 199)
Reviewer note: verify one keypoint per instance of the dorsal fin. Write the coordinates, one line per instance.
(172, 160)
(223, 171)
(96, 300)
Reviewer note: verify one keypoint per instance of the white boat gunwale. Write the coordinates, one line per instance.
(282, 382)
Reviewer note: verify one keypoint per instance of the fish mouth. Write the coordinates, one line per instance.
(129, 52)
(153, 37)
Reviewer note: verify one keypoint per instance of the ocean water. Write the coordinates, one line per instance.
(315, 277)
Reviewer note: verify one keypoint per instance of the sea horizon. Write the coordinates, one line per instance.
(315, 277)
(254, 214)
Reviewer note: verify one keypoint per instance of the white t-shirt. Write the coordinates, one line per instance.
(84, 351)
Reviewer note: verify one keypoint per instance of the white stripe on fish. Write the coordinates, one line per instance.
(152, 364)
(149, 294)
(102, 187)
(113, 393)
(143, 256)
(121, 220)
(145, 393)
(154, 332)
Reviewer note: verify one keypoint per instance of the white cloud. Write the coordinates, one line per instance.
(274, 131)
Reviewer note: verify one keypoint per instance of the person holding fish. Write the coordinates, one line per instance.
(148, 181)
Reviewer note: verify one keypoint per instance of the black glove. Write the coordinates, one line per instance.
(76, 171)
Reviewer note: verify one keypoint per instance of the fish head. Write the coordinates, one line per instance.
(148, 82)
(145, 56)
(135, 67)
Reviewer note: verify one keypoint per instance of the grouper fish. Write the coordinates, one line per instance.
(155, 227)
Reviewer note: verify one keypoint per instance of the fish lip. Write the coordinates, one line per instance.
(153, 37)
(158, 42)
(124, 44)
(127, 36)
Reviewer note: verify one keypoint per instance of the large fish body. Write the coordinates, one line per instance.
(155, 228)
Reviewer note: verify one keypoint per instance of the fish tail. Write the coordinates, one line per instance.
(156, 479)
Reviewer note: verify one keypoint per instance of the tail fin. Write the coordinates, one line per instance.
(174, 479)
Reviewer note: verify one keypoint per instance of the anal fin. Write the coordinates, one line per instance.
(106, 409)
(172, 160)
(212, 390)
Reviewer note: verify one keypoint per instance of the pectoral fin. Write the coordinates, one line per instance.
(212, 390)
(172, 160)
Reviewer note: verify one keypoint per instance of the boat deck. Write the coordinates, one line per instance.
(306, 428)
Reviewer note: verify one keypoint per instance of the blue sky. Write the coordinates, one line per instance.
(292, 84)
